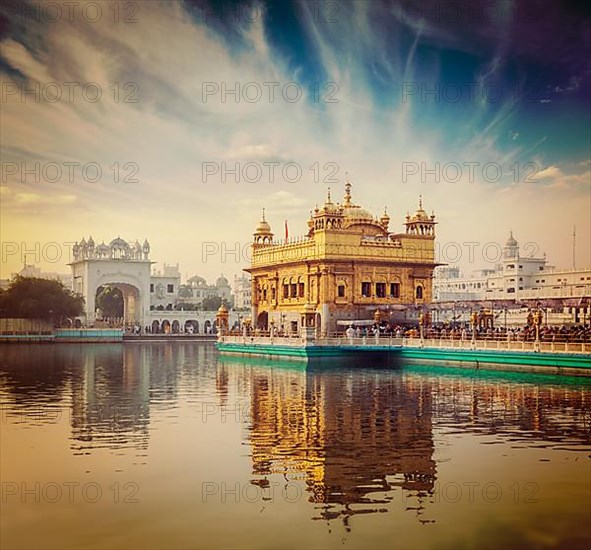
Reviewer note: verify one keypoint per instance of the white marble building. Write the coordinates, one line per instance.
(154, 299)
(125, 266)
(516, 277)
(522, 280)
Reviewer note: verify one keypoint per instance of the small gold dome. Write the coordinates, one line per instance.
(420, 215)
(355, 212)
(263, 226)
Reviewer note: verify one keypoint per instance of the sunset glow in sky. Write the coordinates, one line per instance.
(483, 112)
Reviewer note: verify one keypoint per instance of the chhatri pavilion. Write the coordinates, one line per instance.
(348, 267)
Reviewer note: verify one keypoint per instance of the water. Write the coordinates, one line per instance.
(168, 445)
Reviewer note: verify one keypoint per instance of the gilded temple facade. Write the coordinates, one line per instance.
(348, 267)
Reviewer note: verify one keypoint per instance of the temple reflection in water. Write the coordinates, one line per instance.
(105, 391)
(352, 439)
(355, 438)
(358, 438)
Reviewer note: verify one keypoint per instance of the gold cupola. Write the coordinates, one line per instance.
(263, 233)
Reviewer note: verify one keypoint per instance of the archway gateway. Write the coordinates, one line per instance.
(119, 264)
(119, 303)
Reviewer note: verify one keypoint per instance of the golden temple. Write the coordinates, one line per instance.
(346, 267)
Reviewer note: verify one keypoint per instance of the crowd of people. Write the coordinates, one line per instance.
(547, 333)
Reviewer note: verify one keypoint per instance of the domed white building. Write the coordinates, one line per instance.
(155, 300)
(120, 264)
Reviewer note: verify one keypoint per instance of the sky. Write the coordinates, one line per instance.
(180, 121)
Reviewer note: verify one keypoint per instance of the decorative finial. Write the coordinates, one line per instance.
(328, 195)
(421, 202)
(264, 214)
(347, 190)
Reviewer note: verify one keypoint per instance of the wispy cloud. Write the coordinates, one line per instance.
(190, 84)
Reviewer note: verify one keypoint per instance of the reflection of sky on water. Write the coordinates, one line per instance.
(355, 439)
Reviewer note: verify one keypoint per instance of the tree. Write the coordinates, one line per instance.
(45, 299)
(110, 301)
(211, 303)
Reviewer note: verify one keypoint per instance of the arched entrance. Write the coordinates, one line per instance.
(165, 327)
(263, 320)
(109, 304)
(117, 304)
(207, 327)
(192, 326)
(176, 327)
(124, 266)
(155, 327)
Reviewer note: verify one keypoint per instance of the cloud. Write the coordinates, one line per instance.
(190, 83)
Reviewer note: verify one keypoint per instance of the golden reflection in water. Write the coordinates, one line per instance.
(352, 439)
(356, 440)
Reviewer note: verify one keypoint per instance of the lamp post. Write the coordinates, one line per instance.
(537, 321)
(421, 328)
(473, 322)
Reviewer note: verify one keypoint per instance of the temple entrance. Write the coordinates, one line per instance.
(116, 305)
(119, 265)
(263, 321)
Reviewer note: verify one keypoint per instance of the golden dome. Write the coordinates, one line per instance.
(263, 226)
(330, 207)
(357, 213)
(420, 215)
(223, 309)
